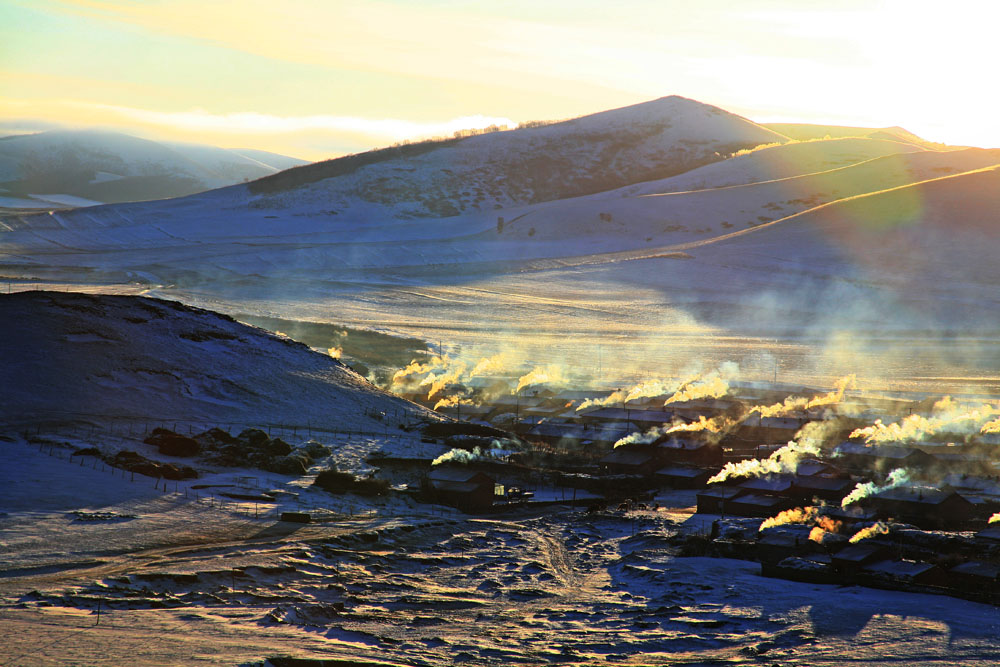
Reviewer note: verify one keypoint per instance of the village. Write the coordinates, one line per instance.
(910, 512)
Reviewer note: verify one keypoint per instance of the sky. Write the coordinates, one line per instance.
(320, 78)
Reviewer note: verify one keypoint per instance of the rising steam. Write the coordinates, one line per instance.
(809, 442)
(712, 385)
(493, 453)
(491, 365)
(797, 515)
(898, 477)
(877, 528)
(798, 403)
(823, 527)
(947, 415)
(550, 374)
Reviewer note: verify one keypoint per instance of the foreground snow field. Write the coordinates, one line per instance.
(179, 580)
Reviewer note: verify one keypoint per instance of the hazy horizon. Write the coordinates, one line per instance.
(315, 81)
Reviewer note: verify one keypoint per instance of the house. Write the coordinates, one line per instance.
(927, 507)
(630, 460)
(976, 577)
(568, 435)
(770, 430)
(694, 452)
(461, 487)
(831, 489)
(683, 476)
(881, 458)
(770, 484)
(636, 418)
(904, 571)
(990, 535)
(758, 504)
(716, 500)
(855, 556)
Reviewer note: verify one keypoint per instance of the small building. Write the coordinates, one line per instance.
(716, 500)
(683, 476)
(770, 484)
(461, 487)
(757, 504)
(855, 556)
(770, 430)
(694, 452)
(881, 458)
(628, 460)
(825, 488)
(989, 535)
(926, 507)
(976, 577)
(906, 572)
(814, 468)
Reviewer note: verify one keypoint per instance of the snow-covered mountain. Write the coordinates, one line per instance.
(69, 357)
(100, 166)
(581, 156)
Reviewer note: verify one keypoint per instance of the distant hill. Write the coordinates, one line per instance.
(77, 167)
(806, 132)
(485, 172)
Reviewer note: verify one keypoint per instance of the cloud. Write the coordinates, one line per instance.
(250, 122)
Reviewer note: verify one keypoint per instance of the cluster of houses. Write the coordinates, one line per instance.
(940, 539)
(582, 455)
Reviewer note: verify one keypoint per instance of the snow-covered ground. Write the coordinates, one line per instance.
(179, 579)
(130, 363)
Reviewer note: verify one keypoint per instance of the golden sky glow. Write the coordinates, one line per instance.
(320, 78)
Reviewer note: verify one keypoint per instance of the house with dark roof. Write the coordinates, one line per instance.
(855, 556)
(780, 485)
(461, 487)
(716, 499)
(976, 577)
(880, 458)
(672, 449)
(926, 507)
(825, 488)
(758, 504)
(905, 572)
(679, 476)
(630, 460)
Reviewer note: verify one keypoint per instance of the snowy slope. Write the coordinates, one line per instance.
(72, 357)
(481, 173)
(776, 162)
(111, 166)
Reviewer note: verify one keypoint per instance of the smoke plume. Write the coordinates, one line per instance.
(487, 365)
(877, 528)
(947, 415)
(451, 373)
(898, 477)
(797, 515)
(713, 385)
(825, 526)
(493, 453)
(809, 442)
(550, 374)
(452, 401)
(798, 403)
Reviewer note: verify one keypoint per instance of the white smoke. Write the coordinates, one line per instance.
(898, 477)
